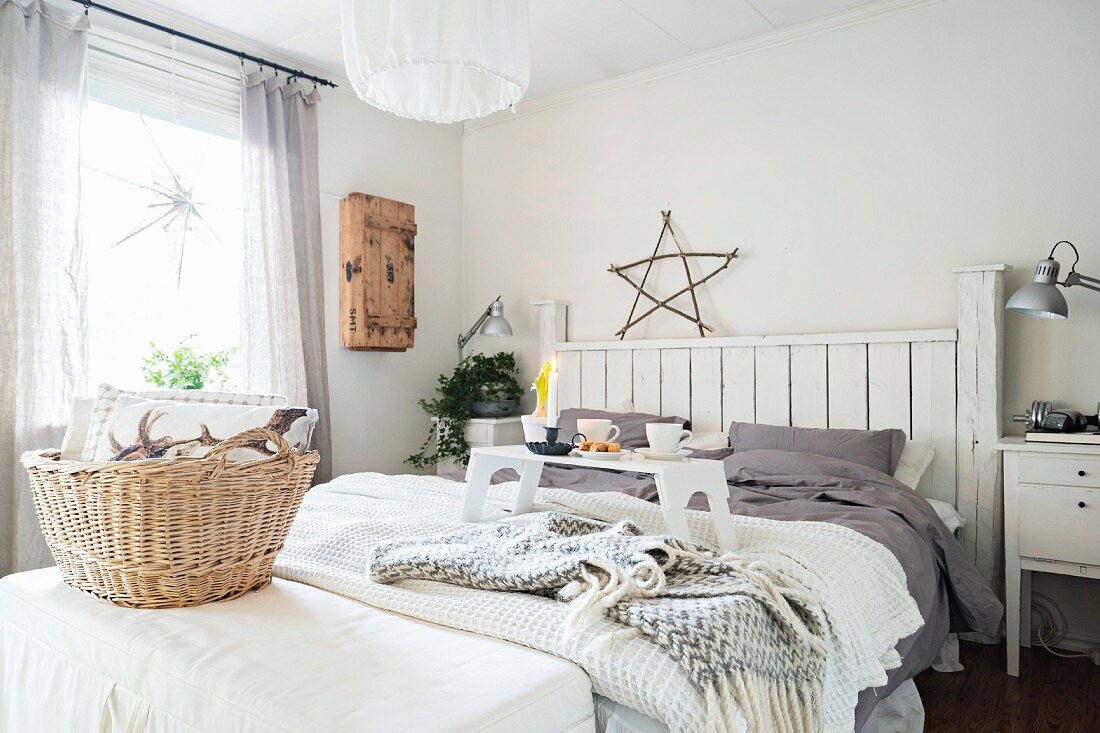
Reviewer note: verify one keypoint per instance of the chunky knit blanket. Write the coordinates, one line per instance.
(863, 603)
(737, 629)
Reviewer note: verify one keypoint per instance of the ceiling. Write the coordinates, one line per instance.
(573, 42)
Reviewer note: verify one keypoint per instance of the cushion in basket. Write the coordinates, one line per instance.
(631, 424)
(877, 449)
(108, 394)
(139, 428)
(76, 430)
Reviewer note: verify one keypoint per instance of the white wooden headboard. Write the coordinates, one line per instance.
(942, 386)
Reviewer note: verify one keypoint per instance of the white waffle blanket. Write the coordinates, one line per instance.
(860, 584)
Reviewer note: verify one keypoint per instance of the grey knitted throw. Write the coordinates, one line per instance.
(737, 628)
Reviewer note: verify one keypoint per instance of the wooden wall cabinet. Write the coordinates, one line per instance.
(377, 306)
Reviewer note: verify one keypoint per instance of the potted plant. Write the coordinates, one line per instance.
(186, 367)
(480, 385)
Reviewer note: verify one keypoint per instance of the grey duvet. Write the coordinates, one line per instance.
(950, 592)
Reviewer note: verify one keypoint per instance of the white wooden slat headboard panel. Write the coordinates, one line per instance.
(939, 385)
(885, 379)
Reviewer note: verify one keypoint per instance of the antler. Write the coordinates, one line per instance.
(280, 421)
(147, 446)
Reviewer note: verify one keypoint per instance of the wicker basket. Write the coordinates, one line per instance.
(166, 533)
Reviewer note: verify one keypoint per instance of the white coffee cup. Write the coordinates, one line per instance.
(666, 437)
(602, 431)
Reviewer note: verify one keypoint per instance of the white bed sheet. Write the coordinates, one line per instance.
(901, 712)
(289, 658)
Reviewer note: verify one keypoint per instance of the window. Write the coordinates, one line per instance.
(160, 206)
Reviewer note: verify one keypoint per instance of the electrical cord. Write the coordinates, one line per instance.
(1051, 629)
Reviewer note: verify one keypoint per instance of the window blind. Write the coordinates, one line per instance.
(160, 83)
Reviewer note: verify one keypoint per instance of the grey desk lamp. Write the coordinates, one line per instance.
(490, 323)
(1041, 298)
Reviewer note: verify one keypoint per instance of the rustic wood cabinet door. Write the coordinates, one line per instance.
(377, 303)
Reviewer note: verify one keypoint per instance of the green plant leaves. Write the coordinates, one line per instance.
(186, 367)
(451, 407)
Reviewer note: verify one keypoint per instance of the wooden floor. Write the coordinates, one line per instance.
(1051, 694)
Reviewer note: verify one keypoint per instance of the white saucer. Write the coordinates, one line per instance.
(655, 456)
(601, 455)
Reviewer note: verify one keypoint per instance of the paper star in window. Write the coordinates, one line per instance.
(658, 304)
(173, 206)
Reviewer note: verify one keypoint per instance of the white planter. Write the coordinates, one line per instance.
(533, 428)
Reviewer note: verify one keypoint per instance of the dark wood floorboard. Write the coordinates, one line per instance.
(1051, 694)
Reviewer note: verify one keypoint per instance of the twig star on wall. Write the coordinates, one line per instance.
(658, 304)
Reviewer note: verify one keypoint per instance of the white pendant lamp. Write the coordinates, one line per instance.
(437, 60)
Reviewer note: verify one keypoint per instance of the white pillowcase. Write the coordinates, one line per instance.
(948, 514)
(139, 428)
(914, 462)
(108, 394)
(709, 441)
(76, 431)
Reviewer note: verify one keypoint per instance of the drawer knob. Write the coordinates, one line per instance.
(1081, 504)
(1081, 473)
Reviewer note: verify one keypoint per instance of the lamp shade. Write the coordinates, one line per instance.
(495, 324)
(437, 60)
(1041, 298)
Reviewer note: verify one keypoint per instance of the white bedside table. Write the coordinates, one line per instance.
(677, 482)
(483, 432)
(1052, 524)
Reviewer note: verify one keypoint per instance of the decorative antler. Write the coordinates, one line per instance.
(280, 421)
(147, 446)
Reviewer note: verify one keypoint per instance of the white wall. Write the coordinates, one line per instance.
(854, 169)
(375, 419)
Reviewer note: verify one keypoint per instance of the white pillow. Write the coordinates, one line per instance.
(709, 441)
(914, 462)
(141, 428)
(108, 394)
(76, 432)
(948, 514)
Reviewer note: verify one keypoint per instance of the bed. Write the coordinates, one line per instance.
(304, 654)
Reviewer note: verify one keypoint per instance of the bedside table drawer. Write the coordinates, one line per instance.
(1060, 470)
(1055, 526)
(481, 435)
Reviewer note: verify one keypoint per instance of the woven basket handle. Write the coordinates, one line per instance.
(248, 439)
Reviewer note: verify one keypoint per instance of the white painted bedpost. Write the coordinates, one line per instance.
(980, 375)
(552, 330)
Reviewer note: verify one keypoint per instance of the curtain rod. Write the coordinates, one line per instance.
(243, 56)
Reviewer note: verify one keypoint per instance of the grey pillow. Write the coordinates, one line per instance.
(631, 424)
(877, 449)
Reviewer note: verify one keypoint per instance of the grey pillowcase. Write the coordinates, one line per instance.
(877, 449)
(631, 424)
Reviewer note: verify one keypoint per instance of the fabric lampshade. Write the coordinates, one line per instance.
(437, 60)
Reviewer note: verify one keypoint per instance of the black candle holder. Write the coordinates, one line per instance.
(551, 446)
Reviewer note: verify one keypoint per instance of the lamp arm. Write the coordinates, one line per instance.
(1076, 278)
(465, 338)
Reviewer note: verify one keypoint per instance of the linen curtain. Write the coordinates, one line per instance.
(43, 54)
(282, 303)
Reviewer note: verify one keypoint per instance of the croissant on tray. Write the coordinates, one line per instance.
(600, 446)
